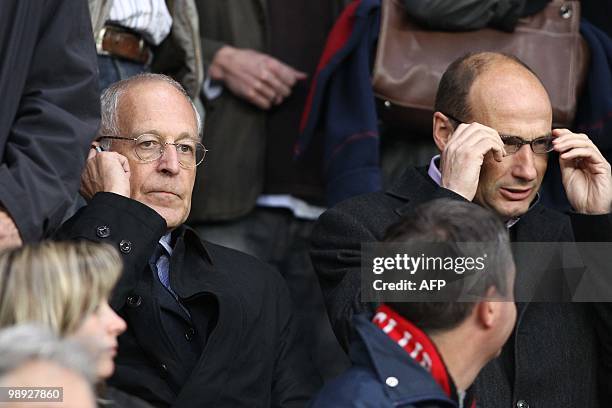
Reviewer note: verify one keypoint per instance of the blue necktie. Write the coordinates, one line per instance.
(160, 263)
(163, 266)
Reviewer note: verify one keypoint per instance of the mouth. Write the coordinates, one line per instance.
(515, 194)
(112, 351)
(168, 194)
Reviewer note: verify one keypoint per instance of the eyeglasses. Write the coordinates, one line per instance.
(149, 147)
(512, 144)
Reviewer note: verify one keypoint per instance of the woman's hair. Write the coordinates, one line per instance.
(56, 284)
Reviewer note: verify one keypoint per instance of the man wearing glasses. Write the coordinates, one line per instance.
(492, 126)
(207, 325)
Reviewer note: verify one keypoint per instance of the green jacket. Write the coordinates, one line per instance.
(232, 177)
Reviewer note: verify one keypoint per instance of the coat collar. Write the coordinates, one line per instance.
(374, 349)
(413, 188)
(193, 267)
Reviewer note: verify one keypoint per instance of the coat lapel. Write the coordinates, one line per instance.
(208, 376)
(149, 334)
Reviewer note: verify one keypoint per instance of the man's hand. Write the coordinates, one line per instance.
(9, 234)
(105, 171)
(585, 173)
(464, 154)
(258, 78)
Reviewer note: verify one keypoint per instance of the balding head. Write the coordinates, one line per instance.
(112, 97)
(487, 74)
(498, 92)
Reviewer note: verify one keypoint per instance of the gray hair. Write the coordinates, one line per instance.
(22, 344)
(111, 97)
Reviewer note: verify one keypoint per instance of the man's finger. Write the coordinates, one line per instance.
(484, 141)
(124, 163)
(560, 132)
(300, 76)
(286, 74)
(578, 143)
(258, 100)
(279, 87)
(263, 89)
(581, 153)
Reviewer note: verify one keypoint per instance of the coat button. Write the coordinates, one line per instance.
(392, 381)
(189, 334)
(565, 11)
(125, 246)
(163, 370)
(134, 301)
(103, 231)
(522, 404)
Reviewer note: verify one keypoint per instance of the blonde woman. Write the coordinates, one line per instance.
(65, 286)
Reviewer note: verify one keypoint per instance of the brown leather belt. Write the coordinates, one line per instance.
(114, 41)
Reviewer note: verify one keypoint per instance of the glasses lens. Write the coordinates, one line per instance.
(512, 144)
(542, 145)
(148, 147)
(190, 153)
(200, 153)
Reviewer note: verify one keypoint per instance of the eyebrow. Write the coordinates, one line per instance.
(182, 136)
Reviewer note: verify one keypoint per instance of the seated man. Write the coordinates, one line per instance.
(428, 353)
(207, 326)
(492, 126)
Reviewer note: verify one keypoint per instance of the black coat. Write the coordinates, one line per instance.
(50, 109)
(551, 343)
(238, 304)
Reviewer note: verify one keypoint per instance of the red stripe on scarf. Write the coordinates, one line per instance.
(415, 342)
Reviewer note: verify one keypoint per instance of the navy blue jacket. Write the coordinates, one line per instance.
(341, 105)
(375, 358)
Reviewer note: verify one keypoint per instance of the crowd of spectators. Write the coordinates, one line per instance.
(170, 238)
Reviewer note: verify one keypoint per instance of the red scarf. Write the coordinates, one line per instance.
(416, 344)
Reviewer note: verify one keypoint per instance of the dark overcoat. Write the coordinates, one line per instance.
(558, 352)
(239, 306)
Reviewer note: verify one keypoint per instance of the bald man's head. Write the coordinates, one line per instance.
(492, 70)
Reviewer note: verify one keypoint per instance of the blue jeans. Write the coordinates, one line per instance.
(114, 69)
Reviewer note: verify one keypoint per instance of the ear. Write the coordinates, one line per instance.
(442, 130)
(487, 313)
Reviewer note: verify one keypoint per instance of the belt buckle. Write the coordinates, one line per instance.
(142, 47)
(99, 40)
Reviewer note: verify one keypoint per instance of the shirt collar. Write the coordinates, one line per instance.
(436, 176)
(165, 241)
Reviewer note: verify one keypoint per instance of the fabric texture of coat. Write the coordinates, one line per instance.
(248, 359)
(50, 109)
(550, 341)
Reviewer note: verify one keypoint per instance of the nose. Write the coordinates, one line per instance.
(524, 164)
(168, 162)
(116, 324)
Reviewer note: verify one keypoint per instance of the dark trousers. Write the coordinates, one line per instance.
(277, 237)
